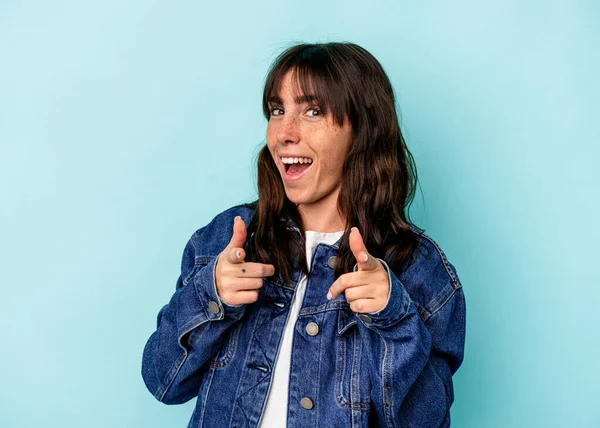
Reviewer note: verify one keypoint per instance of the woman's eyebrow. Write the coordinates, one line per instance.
(299, 99)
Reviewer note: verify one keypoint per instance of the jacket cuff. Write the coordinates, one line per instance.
(396, 307)
(206, 289)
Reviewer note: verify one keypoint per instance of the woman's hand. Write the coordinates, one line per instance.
(366, 289)
(238, 281)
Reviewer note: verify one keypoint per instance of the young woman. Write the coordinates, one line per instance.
(320, 303)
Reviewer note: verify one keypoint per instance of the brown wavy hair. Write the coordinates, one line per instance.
(379, 176)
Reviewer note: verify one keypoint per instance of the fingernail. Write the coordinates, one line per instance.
(237, 253)
(354, 228)
(236, 218)
(365, 257)
(329, 295)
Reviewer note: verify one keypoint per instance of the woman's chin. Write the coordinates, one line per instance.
(295, 197)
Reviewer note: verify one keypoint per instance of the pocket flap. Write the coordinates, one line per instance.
(346, 320)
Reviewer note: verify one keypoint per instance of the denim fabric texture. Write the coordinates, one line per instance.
(390, 369)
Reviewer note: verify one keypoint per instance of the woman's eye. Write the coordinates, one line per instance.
(278, 111)
(315, 109)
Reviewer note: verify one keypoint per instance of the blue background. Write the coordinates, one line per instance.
(125, 126)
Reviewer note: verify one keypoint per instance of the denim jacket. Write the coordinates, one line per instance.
(391, 369)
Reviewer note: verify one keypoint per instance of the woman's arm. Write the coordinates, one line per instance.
(172, 364)
(414, 359)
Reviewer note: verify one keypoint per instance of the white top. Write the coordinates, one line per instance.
(275, 414)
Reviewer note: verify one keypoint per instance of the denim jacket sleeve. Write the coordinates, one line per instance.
(415, 357)
(187, 334)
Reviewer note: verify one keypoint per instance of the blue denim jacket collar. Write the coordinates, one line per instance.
(291, 225)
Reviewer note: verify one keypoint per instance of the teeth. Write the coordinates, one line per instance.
(296, 160)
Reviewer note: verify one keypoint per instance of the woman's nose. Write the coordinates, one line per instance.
(288, 130)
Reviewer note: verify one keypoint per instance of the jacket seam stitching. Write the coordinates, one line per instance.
(450, 295)
(342, 401)
(172, 374)
(190, 326)
(211, 374)
(454, 279)
(387, 389)
(230, 348)
(311, 310)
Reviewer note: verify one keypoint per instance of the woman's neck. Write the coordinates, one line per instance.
(320, 218)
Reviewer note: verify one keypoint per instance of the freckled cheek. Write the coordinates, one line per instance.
(270, 138)
(331, 164)
(328, 165)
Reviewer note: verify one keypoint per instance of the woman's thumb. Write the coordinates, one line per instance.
(239, 233)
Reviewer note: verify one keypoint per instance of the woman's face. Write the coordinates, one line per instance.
(298, 128)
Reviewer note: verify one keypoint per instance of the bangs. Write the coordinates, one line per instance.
(314, 79)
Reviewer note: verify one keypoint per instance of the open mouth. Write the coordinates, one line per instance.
(296, 169)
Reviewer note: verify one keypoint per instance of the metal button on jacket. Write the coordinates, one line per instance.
(332, 261)
(213, 307)
(312, 328)
(366, 319)
(306, 403)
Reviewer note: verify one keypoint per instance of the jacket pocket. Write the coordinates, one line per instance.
(352, 380)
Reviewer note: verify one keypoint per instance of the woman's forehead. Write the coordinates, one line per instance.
(299, 87)
(298, 99)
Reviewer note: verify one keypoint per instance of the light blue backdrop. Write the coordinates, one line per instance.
(125, 126)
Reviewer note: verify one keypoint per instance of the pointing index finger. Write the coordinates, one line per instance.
(363, 258)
